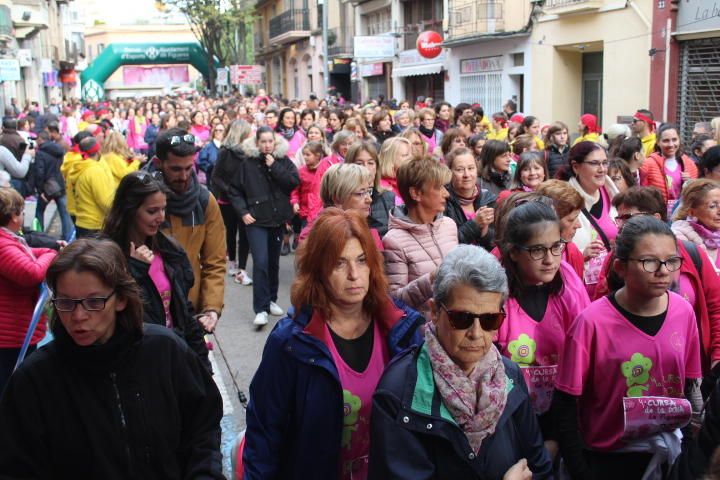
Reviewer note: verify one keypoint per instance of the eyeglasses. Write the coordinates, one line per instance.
(368, 192)
(91, 304)
(178, 139)
(652, 265)
(595, 164)
(538, 252)
(464, 320)
(620, 219)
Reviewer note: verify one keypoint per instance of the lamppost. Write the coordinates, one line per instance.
(326, 72)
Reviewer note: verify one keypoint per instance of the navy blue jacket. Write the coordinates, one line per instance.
(413, 435)
(295, 414)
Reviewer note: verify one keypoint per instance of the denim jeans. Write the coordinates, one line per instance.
(65, 220)
(265, 249)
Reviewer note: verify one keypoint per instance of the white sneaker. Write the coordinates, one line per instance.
(261, 319)
(243, 278)
(276, 310)
(232, 268)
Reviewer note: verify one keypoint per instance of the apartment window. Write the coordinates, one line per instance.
(518, 59)
(378, 22)
(100, 48)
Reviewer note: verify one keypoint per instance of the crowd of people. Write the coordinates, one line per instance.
(476, 295)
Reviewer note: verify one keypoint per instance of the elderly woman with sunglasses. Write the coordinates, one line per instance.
(455, 407)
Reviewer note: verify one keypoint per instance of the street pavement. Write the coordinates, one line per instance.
(238, 346)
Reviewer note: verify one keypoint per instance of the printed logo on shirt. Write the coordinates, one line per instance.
(351, 412)
(637, 373)
(522, 350)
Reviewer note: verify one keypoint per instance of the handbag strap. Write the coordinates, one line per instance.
(597, 228)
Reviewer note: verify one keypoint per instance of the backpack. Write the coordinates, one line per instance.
(694, 255)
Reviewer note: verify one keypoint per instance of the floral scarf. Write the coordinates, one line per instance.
(710, 238)
(475, 402)
(468, 200)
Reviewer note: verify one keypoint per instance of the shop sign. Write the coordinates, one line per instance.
(50, 79)
(9, 70)
(68, 76)
(354, 77)
(340, 65)
(246, 74)
(411, 58)
(371, 70)
(698, 15)
(222, 77)
(481, 65)
(429, 44)
(380, 46)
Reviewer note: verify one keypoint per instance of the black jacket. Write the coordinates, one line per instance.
(406, 443)
(179, 272)
(496, 183)
(134, 407)
(264, 192)
(48, 158)
(469, 231)
(556, 160)
(227, 166)
(382, 204)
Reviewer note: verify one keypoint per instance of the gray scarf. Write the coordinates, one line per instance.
(189, 206)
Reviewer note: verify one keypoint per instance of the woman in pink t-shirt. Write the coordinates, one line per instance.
(545, 297)
(627, 379)
(157, 262)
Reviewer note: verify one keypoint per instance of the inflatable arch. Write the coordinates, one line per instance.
(117, 54)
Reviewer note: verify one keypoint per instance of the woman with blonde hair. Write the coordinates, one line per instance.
(357, 126)
(118, 156)
(419, 235)
(394, 153)
(418, 147)
(697, 219)
(383, 200)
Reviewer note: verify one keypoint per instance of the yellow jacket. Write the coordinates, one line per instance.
(205, 247)
(498, 134)
(648, 143)
(71, 158)
(118, 166)
(94, 191)
(590, 137)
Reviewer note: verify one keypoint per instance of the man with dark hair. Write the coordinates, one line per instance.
(11, 139)
(643, 126)
(510, 108)
(271, 118)
(193, 218)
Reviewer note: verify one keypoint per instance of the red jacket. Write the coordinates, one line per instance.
(20, 279)
(652, 173)
(307, 193)
(707, 301)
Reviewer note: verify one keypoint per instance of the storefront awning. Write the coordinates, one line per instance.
(428, 69)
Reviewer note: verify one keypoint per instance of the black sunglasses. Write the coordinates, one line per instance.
(178, 139)
(465, 320)
(146, 178)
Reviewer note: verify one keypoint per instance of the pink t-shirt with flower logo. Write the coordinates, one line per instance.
(607, 360)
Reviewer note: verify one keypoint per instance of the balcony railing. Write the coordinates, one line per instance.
(558, 7)
(475, 18)
(290, 25)
(340, 42)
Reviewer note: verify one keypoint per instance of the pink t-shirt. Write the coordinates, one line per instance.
(607, 359)
(162, 284)
(673, 178)
(605, 222)
(531, 344)
(527, 342)
(358, 389)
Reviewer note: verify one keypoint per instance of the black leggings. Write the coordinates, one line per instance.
(618, 465)
(238, 247)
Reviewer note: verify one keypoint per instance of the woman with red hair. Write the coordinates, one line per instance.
(310, 400)
(589, 129)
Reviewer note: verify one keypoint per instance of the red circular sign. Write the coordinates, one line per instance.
(429, 44)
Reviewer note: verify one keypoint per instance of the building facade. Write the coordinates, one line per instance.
(288, 44)
(489, 57)
(590, 56)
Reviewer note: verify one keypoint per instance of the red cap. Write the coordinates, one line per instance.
(517, 118)
(88, 114)
(590, 121)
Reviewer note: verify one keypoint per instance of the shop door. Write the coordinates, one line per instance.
(592, 87)
(699, 95)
